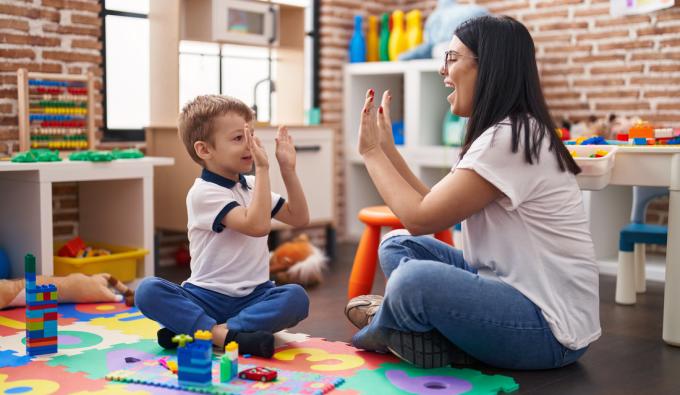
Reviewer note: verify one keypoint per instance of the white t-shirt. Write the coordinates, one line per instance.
(536, 237)
(224, 260)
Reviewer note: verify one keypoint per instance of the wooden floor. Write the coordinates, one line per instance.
(629, 358)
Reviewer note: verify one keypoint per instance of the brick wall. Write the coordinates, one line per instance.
(590, 62)
(51, 36)
(337, 23)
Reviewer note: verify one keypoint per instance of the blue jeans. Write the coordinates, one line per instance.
(430, 286)
(190, 308)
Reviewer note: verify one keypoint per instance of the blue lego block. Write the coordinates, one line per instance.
(50, 328)
(640, 141)
(34, 313)
(35, 334)
(41, 350)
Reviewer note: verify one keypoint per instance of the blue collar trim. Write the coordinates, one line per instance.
(215, 178)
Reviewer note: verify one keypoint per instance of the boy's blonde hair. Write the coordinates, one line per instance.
(197, 116)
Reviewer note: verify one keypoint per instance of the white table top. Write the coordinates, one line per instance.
(68, 165)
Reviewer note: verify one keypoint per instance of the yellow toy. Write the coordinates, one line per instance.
(414, 29)
(398, 42)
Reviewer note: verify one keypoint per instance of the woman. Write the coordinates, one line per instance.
(523, 293)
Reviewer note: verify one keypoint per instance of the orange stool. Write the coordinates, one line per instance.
(363, 268)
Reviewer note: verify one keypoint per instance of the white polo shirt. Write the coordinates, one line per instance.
(224, 260)
(536, 237)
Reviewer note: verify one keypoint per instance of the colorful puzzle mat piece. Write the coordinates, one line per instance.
(39, 378)
(317, 355)
(97, 364)
(97, 339)
(131, 323)
(401, 378)
(88, 311)
(287, 382)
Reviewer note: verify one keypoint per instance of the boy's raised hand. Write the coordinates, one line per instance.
(256, 149)
(285, 150)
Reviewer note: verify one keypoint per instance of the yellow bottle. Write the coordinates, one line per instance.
(398, 43)
(372, 40)
(414, 29)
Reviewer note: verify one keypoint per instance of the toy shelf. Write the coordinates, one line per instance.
(419, 100)
(56, 111)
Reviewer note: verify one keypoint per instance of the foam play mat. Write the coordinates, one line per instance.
(110, 348)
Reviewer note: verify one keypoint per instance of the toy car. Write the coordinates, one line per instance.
(258, 374)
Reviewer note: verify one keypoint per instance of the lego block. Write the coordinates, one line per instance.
(36, 334)
(33, 351)
(35, 326)
(51, 316)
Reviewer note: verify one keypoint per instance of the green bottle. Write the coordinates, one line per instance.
(383, 45)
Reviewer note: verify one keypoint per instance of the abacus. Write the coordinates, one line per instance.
(56, 111)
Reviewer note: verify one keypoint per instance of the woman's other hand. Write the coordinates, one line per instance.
(385, 122)
(369, 132)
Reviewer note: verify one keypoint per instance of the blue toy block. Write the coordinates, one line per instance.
(41, 350)
(50, 328)
(639, 141)
(35, 334)
(34, 313)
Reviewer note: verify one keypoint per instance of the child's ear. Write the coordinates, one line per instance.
(202, 149)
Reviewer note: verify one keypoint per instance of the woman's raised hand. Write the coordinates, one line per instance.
(369, 132)
(385, 122)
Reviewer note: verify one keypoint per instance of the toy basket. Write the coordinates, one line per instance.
(595, 172)
(122, 263)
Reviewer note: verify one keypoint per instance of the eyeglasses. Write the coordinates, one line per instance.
(451, 55)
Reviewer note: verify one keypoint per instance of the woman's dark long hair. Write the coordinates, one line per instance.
(508, 86)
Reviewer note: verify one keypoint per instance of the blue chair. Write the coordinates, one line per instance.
(630, 278)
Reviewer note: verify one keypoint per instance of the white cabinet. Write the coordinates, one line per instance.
(419, 100)
(314, 147)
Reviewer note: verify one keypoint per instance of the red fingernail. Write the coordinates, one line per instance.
(370, 99)
(380, 110)
(371, 92)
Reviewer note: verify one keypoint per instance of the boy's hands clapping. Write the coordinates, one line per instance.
(256, 149)
(285, 150)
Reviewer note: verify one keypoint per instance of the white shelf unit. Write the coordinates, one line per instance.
(419, 100)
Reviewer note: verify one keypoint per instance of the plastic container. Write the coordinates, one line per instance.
(595, 172)
(122, 263)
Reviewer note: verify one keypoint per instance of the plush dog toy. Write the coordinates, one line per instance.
(297, 261)
(74, 288)
(440, 26)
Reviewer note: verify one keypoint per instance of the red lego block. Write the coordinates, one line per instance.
(71, 248)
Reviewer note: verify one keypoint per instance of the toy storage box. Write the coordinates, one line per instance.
(122, 263)
(595, 172)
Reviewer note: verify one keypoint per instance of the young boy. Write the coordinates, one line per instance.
(229, 292)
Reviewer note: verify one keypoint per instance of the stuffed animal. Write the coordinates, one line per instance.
(74, 288)
(297, 261)
(440, 26)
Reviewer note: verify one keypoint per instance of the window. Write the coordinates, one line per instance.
(238, 71)
(199, 70)
(126, 69)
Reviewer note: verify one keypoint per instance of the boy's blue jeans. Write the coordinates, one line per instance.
(430, 286)
(190, 308)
